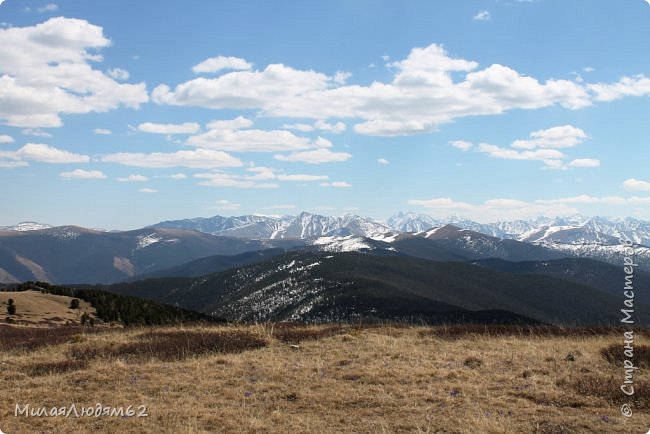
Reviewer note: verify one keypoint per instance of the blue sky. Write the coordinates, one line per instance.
(121, 114)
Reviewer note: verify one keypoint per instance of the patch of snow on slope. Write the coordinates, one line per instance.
(147, 240)
(349, 243)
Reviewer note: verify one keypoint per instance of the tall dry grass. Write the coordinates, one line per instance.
(326, 379)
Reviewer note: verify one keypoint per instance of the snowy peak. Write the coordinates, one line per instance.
(303, 226)
(26, 226)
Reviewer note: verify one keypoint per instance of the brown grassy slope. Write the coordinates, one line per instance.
(325, 380)
(36, 308)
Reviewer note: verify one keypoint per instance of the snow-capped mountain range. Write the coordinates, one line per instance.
(574, 230)
(303, 226)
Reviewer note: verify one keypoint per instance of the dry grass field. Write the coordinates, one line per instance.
(323, 379)
(37, 308)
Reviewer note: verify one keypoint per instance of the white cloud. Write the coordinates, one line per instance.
(336, 128)
(383, 161)
(322, 125)
(305, 128)
(82, 174)
(36, 132)
(242, 89)
(565, 136)
(185, 128)
(542, 145)
(4, 138)
(178, 176)
(626, 86)
(133, 178)
(50, 7)
(422, 95)
(102, 131)
(461, 144)
(336, 184)
(588, 69)
(119, 73)
(317, 156)
(633, 184)
(585, 162)
(302, 178)
(512, 154)
(226, 205)
(230, 124)
(199, 159)
(148, 190)
(219, 63)
(226, 180)
(482, 16)
(44, 154)
(341, 77)
(249, 140)
(46, 71)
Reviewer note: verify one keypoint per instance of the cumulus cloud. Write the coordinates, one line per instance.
(626, 86)
(383, 161)
(177, 176)
(242, 89)
(461, 144)
(512, 154)
(542, 145)
(482, 16)
(230, 124)
(4, 138)
(46, 70)
(82, 174)
(44, 154)
(219, 63)
(249, 140)
(316, 156)
(421, 95)
(633, 184)
(102, 131)
(147, 190)
(336, 128)
(565, 136)
(585, 162)
(133, 178)
(197, 159)
(185, 128)
(119, 73)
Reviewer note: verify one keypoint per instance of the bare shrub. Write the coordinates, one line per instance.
(32, 338)
(615, 354)
(49, 368)
(174, 345)
(295, 333)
